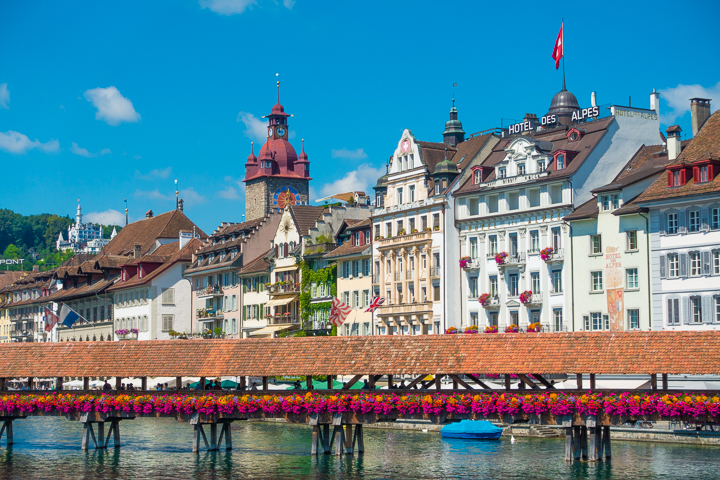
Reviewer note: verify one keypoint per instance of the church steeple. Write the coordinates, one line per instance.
(78, 214)
(454, 132)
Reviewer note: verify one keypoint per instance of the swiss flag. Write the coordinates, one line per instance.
(50, 319)
(558, 50)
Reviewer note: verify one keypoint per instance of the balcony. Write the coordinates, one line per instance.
(208, 314)
(284, 319)
(406, 238)
(535, 300)
(210, 291)
(513, 260)
(410, 274)
(492, 303)
(22, 317)
(474, 263)
(405, 308)
(22, 333)
(435, 271)
(284, 288)
(556, 256)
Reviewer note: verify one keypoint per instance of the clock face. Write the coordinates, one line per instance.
(269, 132)
(285, 196)
(281, 132)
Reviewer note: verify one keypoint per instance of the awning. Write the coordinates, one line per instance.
(211, 319)
(268, 330)
(277, 302)
(285, 269)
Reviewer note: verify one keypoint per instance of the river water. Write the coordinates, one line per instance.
(49, 448)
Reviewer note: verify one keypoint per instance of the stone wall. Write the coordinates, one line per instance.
(260, 193)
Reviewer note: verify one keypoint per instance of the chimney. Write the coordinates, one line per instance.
(532, 118)
(700, 111)
(655, 101)
(185, 238)
(149, 214)
(673, 141)
(137, 253)
(593, 99)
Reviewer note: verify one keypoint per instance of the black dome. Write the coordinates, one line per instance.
(563, 103)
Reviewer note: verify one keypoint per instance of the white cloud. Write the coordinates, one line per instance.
(678, 99)
(357, 154)
(111, 106)
(154, 174)
(230, 193)
(83, 152)
(4, 96)
(137, 157)
(190, 196)
(255, 128)
(289, 4)
(108, 217)
(105, 151)
(228, 7)
(153, 194)
(361, 179)
(16, 142)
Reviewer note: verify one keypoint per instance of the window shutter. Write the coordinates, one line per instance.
(661, 224)
(669, 179)
(663, 266)
(683, 264)
(707, 312)
(669, 311)
(681, 219)
(245, 307)
(706, 266)
(704, 215)
(686, 310)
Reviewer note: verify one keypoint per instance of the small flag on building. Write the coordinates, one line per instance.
(68, 316)
(50, 319)
(559, 50)
(376, 302)
(338, 312)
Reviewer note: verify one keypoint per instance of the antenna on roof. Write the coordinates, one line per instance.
(454, 85)
(126, 213)
(177, 196)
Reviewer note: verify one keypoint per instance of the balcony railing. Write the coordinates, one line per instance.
(557, 256)
(514, 260)
(409, 274)
(408, 237)
(554, 328)
(397, 309)
(22, 333)
(21, 317)
(397, 276)
(435, 271)
(209, 313)
(492, 302)
(289, 287)
(320, 248)
(283, 320)
(210, 291)
(535, 299)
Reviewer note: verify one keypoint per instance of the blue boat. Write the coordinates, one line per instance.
(478, 429)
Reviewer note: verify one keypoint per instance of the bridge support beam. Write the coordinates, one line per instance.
(7, 430)
(214, 444)
(569, 444)
(100, 441)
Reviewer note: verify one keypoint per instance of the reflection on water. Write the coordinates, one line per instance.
(49, 448)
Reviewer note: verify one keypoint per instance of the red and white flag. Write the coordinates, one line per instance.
(50, 320)
(559, 50)
(376, 302)
(338, 312)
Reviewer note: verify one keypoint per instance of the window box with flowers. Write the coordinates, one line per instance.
(534, 327)
(464, 261)
(472, 329)
(484, 299)
(451, 331)
(512, 329)
(501, 257)
(123, 333)
(546, 253)
(437, 229)
(525, 297)
(401, 231)
(491, 329)
(414, 230)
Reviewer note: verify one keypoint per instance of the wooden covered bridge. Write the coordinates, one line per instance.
(464, 359)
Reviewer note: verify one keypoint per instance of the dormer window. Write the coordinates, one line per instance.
(502, 173)
(677, 179)
(574, 135)
(560, 162)
(476, 177)
(704, 173)
(541, 165)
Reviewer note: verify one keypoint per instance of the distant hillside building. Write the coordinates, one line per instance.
(83, 237)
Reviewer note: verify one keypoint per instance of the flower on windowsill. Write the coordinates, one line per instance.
(414, 230)
(437, 229)
(451, 331)
(512, 329)
(546, 253)
(472, 329)
(464, 262)
(534, 327)
(500, 258)
(484, 299)
(525, 296)
(491, 329)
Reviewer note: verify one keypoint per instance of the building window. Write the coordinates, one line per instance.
(694, 220)
(541, 165)
(632, 278)
(356, 299)
(474, 318)
(615, 201)
(534, 241)
(502, 173)
(388, 229)
(677, 180)
(703, 174)
(492, 243)
(673, 265)
(695, 310)
(513, 244)
(366, 298)
(535, 281)
(521, 169)
(560, 162)
(167, 323)
(716, 262)
(436, 221)
(695, 265)
(556, 243)
(605, 203)
(473, 247)
(632, 240)
(476, 177)
(412, 193)
(596, 321)
(717, 308)
(399, 196)
(423, 222)
(673, 311)
(557, 281)
(473, 287)
(366, 267)
(558, 319)
(168, 296)
(436, 292)
(633, 319)
(715, 217)
(595, 245)
(672, 223)
(493, 286)
(513, 285)
(514, 318)
(596, 281)
(437, 187)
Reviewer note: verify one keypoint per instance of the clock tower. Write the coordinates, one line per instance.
(277, 177)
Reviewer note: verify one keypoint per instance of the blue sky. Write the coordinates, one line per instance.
(104, 101)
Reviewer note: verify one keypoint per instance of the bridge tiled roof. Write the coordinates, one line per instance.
(543, 353)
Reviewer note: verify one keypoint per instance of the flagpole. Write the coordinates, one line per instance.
(562, 25)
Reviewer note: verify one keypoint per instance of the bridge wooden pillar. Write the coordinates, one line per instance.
(143, 384)
(118, 383)
(308, 383)
(58, 383)
(664, 381)
(579, 378)
(7, 430)
(584, 442)
(202, 387)
(653, 381)
(330, 382)
(577, 442)
(507, 381)
(438, 381)
(31, 383)
(371, 381)
(569, 444)
(86, 384)
(242, 384)
(178, 384)
(265, 383)
(390, 382)
(606, 442)
(592, 381)
(3, 384)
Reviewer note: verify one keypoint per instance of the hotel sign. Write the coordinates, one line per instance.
(11, 261)
(583, 114)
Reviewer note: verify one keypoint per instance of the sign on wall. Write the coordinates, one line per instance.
(11, 261)
(614, 288)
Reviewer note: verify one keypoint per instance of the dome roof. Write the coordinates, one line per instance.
(251, 158)
(453, 125)
(445, 167)
(279, 110)
(282, 152)
(563, 103)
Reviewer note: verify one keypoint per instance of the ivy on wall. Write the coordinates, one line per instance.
(328, 276)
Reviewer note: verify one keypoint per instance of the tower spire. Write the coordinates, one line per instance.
(177, 196)
(278, 87)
